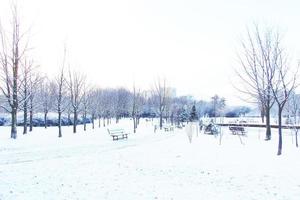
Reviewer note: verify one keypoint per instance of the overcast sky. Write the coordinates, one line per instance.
(192, 43)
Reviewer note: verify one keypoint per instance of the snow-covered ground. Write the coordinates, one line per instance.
(161, 165)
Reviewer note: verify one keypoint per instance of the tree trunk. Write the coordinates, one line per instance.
(99, 120)
(262, 115)
(13, 133)
(268, 124)
(297, 138)
(134, 124)
(30, 120)
(59, 124)
(69, 118)
(160, 120)
(103, 121)
(25, 118)
(45, 119)
(75, 121)
(279, 132)
(93, 121)
(84, 121)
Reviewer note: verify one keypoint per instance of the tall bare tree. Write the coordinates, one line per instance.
(25, 91)
(168, 105)
(94, 105)
(47, 97)
(160, 93)
(12, 51)
(256, 60)
(136, 98)
(61, 92)
(34, 81)
(86, 103)
(76, 84)
(98, 103)
(122, 103)
(283, 84)
(109, 100)
(294, 107)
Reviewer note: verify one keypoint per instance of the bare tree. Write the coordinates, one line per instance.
(141, 101)
(25, 92)
(257, 59)
(121, 106)
(284, 83)
(76, 84)
(11, 54)
(61, 92)
(86, 103)
(108, 103)
(168, 105)
(34, 81)
(294, 104)
(47, 97)
(160, 93)
(218, 104)
(93, 108)
(136, 96)
(69, 111)
(99, 105)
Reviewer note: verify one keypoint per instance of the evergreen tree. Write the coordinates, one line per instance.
(183, 115)
(193, 115)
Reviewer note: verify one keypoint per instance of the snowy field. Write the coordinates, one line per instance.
(161, 165)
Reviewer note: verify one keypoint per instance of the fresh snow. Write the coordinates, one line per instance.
(161, 165)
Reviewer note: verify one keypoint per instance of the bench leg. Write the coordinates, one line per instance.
(115, 137)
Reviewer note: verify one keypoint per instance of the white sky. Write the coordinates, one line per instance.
(191, 42)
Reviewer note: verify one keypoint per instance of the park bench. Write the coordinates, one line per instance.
(117, 133)
(237, 130)
(168, 128)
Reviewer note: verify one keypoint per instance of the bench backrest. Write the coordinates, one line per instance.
(115, 131)
(236, 128)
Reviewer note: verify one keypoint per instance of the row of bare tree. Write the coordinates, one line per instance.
(25, 89)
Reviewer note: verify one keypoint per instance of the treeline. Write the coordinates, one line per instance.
(101, 105)
(26, 90)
